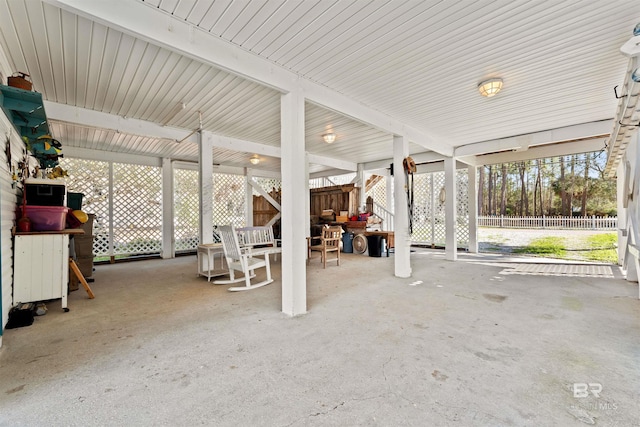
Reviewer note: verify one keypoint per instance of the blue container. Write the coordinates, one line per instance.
(347, 243)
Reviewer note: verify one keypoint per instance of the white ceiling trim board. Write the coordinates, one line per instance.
(242, 145)
(585, 130)
(156, 27)
(543, 151)
(109, 156)
(345, 165)
(97, 119)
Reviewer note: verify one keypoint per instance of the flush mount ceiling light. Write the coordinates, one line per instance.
(490, 87)
(254, 159)
(329, 138)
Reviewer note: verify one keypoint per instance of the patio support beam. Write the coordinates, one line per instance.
(294, 193)
(523, 142)
(168, 243)
(205, 178)
(402, 257)
(362, 182)
(473, 209)
(248, 203)
(450, 208)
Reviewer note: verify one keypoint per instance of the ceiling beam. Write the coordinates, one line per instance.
(97, 119)
(524, 142)
(345, 165)
(235, 144)
(157, 27)
(543, 151)
(426, 157)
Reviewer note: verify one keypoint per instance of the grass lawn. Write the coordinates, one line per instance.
(598, 247)
(554, 247)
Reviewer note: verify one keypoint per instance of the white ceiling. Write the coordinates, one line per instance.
(416, 62)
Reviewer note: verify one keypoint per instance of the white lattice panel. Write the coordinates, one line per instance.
(379, 192)
(422, 209)
(228, 200)
(267, 184)
(342, 179)
(137, 209)
(91, 178)
(462, 204)
(186, 209)
(429, 212)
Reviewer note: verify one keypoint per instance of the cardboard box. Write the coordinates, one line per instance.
(341, 218)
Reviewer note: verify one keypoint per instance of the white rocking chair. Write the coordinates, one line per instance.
(242, 259)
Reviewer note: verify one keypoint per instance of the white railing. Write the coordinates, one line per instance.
(561, 222)
(387, 217)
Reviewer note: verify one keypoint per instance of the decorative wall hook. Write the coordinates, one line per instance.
(628, 124)
(615, 90)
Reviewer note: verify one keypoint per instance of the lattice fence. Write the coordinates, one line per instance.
(91, 178)
(228, 200)
(137, 209)
(429, 212)
(462, 204)
(379, 192)
(267, 184)
(186, 209)
(342, 179)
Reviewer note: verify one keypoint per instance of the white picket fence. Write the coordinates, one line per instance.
(559, 222)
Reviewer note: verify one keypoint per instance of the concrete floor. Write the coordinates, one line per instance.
(470, 343)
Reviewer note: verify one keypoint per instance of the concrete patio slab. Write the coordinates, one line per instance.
(458, 343)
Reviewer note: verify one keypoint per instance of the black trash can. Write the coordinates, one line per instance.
(347, 243)
(374, 244)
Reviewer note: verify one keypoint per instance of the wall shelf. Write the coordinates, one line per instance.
(25, 109)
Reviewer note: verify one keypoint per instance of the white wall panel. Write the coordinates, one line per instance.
(7, 217)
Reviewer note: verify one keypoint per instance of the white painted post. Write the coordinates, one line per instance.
(248, 204)
(362, 196)
(389, 192)
(205, 178)
(451, 245)
(401, 213)
(111, 230)
(473, 209)
(294, 194)
(433, 209)
(168, 242)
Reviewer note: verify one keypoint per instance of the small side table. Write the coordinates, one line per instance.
(207, 253)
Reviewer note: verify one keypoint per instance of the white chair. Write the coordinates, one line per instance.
(242, 259)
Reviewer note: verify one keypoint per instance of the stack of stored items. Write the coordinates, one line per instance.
(45, 204)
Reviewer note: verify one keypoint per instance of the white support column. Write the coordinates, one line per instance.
(168, 242)
(450, 209)
(473, 209)
(307, 199)
(362, 196)
(248, 204)
(205, 177)
(389, 193)
(294, 194)
(111, 216)
(401, 213)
